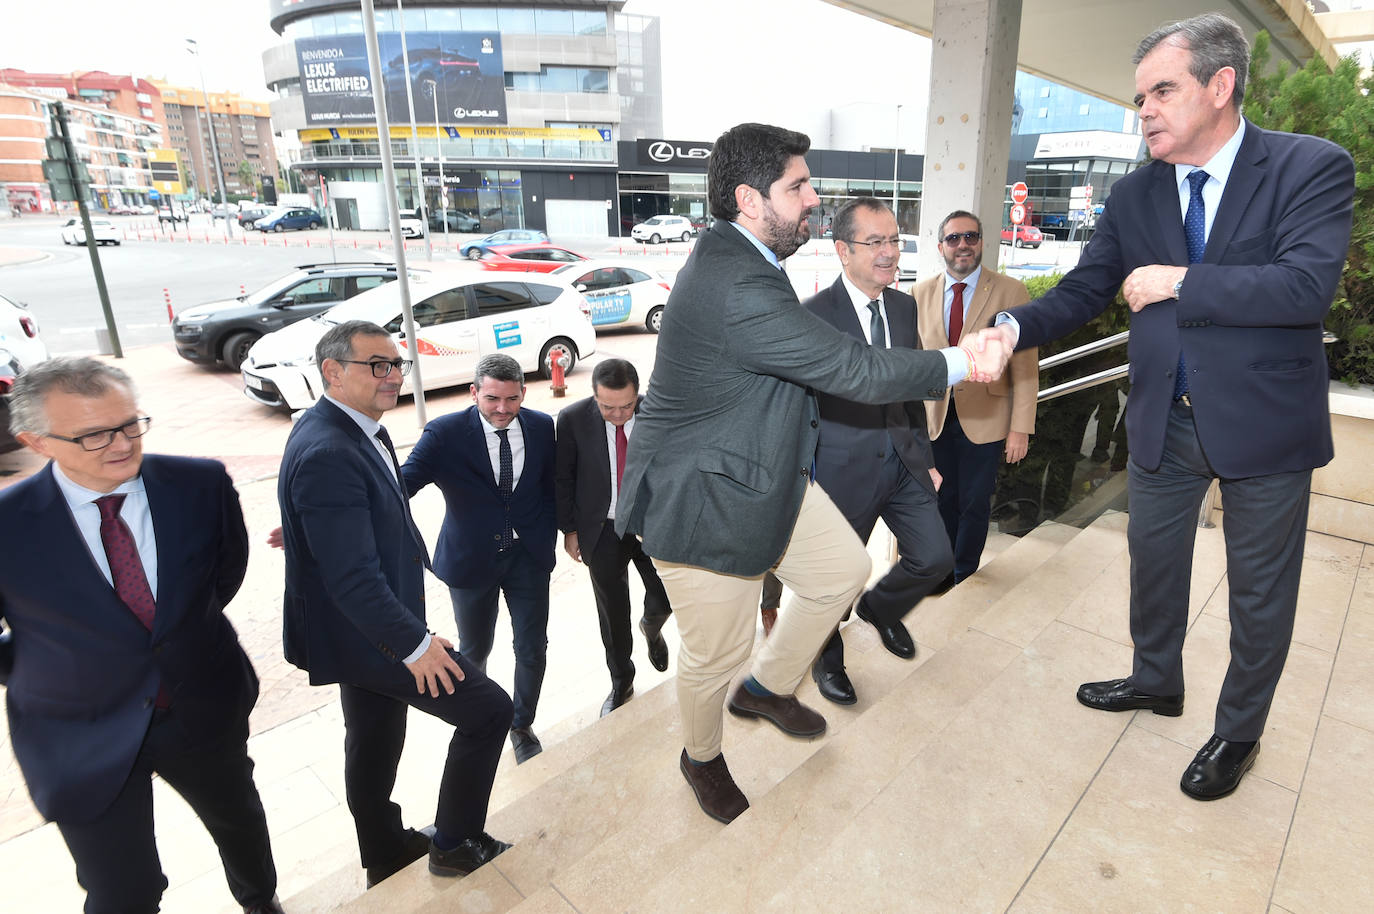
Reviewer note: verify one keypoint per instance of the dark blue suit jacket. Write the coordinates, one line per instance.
(1249, 319)
(452, 453)
(84, 670)
(355, 598)
(855, 437)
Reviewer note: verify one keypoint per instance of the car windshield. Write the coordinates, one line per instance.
(272, 290)
(380, 303)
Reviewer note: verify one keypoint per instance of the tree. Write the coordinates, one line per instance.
(1339, 106)
(248, 177)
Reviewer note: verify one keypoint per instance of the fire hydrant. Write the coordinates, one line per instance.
(560, 361)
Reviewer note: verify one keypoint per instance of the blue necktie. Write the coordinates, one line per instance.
(1195, 233)
(506, 484)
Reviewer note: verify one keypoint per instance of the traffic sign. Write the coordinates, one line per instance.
(1019, 192)
(1018, 214)
(154, 194)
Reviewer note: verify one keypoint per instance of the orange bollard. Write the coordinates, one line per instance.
(559, 359)
(167, 296)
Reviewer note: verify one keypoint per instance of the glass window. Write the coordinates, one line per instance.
(386, 20)
(348, 23)
(363, 283)
(589, 22)
(481, 19)
(499, 297)
(415, 20)
(443, 20)
(517, 20)
(446, 307)
(630, 275)
(554, 22)
(544, 295)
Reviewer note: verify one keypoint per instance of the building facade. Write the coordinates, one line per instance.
(519, 105)
(243, 132)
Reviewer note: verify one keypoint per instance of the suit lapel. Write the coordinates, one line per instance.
(1168, 218)
(1246, 175)
(901, 322)
(843, 315)
(164, 505)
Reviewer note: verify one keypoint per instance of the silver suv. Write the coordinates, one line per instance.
(664, 227)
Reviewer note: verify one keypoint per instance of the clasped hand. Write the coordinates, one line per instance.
(989, 351)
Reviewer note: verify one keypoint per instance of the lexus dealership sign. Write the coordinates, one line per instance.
(672, 153)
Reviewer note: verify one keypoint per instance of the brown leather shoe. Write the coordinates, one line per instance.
(783, 711)
(770, 618)
(719, 796)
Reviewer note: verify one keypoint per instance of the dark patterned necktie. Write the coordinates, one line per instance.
(876, 330)
(1195, 233)
(622, 445)
(505, 483)
(126, 567)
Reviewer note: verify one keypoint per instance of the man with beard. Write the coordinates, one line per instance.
(977, 423)
(717, 481)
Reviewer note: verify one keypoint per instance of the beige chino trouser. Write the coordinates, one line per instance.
(825, 565)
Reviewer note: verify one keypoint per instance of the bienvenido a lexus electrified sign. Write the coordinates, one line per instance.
(462, 70)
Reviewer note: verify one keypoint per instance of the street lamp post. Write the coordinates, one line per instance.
(422, 210)
(194, 50)
(896, 155)
(439, 147)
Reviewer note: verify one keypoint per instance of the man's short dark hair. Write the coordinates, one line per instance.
(752, 154)
(499, 367)
(615, 374)
(337, 342)
(1213, 40)
(842, 226)
(958, 214)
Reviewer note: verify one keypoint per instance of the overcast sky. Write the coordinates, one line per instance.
(724, 61)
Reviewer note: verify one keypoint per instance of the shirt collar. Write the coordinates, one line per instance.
(857, 295)
(1219, 166)
(365, 422)
(488, 428)
(764, 249)
(970, 281)
(78, 495)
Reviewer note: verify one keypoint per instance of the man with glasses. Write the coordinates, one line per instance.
(874, 460)
(354, 613)
(593, 442)
(494, 464)
(977, 425)
(118, 661)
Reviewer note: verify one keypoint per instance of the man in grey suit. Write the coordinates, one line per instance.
(875, 460)
(717, 479)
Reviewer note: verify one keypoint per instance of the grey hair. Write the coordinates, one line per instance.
(337, 342)
(842, 226)
(1213, 40)
(498, 367)
(84, 377)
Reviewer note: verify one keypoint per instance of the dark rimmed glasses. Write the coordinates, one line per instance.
(381, 368)
(102, 438)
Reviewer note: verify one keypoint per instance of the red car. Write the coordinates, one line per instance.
(528, 258)
(1027, 236)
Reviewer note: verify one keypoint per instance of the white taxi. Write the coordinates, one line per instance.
(460, 316)
(618, 293)
(73, 232)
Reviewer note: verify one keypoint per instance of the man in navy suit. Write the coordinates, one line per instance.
(1230, 245)
(874, 460)
(354, 613)
(119, 663)
(494, 464)
(587, 482)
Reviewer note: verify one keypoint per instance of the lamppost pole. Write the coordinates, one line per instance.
(896, 155)
(422, 211)
(439, 146)
(194, 50)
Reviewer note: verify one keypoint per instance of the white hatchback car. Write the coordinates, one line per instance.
(460, 316)
(619, 293)
(103, 229)
(661, 228)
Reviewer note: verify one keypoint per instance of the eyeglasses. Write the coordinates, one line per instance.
(894, 243)
(103, 438)
(971, 237)
(381, 369)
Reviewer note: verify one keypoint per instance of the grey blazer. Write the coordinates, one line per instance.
(726, 434)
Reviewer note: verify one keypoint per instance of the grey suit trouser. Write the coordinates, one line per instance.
(1265, 525)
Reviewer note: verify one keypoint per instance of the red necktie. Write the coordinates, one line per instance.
(956, 314)
(621, 444)
(126, 569)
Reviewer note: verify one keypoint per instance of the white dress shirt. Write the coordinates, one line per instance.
(970, 286)
(1218, 169)
(516, 438)
(134, 512)
(860, 301)
(610, 449)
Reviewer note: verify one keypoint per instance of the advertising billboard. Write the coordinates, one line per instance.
(463, 70)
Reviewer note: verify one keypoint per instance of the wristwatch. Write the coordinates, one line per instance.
(1178, 287)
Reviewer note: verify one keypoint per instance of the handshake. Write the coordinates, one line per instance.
(988, 352)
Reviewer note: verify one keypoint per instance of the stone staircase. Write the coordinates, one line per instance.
(968, 780)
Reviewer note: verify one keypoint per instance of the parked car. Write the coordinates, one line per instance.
(412, 226)
(460, 316)
(458, 221)
(618, 293)
(20, 349)
(528, 258)
(289, 217)
(147, 209)
(167, 214)
(906, 259)
(1054, 220)
(660, 227)
(224, 331)
(103, 230)
(223, 211)
(474, 250)
(252, 214)
(1027, 236)
(120, 209)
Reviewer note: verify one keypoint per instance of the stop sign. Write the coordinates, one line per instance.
(1019, 192)
(1018, 214)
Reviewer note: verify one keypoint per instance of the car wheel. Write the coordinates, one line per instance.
(278, 227)
(655, 319)
(1016, 242)
(314, 224)
(547, 355)
(655, 238)
(686, 236)
(474, 253)
(235, 350)
(115, 243)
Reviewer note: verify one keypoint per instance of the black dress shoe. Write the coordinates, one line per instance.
(895, 636)
(1217, 768)
(525, 744)
(414, 846)
(466, 857)
(1120, 695)
(716, 791)
(265, 907)
(617, 698)
(658, 648)
(835, 686)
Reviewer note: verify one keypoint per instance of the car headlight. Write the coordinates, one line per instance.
(188, 328)
(300, 362)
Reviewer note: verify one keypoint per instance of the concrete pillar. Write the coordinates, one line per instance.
(968, 127)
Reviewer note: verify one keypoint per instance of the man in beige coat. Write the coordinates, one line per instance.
(967, 429)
